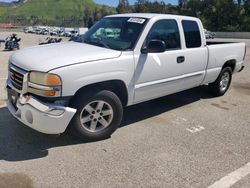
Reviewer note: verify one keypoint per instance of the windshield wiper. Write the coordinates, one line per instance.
(98, 43)
(103, 43)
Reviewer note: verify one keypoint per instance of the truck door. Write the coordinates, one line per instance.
(176, 69)
(159, 72)
(195, 53)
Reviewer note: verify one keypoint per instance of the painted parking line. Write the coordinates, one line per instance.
(232, 178)
(195, 129)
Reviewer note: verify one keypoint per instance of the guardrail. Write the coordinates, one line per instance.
(238, 35)
(12, 29)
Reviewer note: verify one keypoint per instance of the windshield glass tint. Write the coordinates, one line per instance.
(115, 33)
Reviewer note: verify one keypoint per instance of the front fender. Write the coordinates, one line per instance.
(77, 76)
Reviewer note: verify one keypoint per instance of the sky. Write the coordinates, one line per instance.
(114, 2)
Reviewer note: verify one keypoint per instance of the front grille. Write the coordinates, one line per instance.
(16, 77)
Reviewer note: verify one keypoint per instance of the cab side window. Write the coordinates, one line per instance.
(167, 31)
(192, 34)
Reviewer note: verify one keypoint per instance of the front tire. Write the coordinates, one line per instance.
(98, 115)
(223, 82)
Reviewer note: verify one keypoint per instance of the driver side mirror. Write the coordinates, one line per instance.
(154, 46)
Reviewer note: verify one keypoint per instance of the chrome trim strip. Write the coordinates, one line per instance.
(24, 79)
(16, 80)
(15, 68)
(25, 83)
(17, 74)
(9, 84)
(42, 107)
(168, 80)
(41, 87)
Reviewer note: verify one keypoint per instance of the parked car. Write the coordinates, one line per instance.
(85, 86)
(67, 34)
(53, 33)
(44, 32)
(29, 30)
(61, 33)
(209, 34)
(38, 31)
(71, 33)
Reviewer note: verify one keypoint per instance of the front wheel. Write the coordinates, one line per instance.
(98, 115)
(222, 84)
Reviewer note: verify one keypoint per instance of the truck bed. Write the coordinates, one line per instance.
(217, 42)
(221, 52)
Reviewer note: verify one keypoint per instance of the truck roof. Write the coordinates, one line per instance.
(151, 15)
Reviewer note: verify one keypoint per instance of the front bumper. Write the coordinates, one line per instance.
(42, 117)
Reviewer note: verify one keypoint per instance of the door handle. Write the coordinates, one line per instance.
(181, 59)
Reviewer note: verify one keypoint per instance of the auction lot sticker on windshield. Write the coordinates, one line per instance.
(136, 20)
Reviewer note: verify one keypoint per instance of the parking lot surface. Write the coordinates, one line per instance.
(189, 139)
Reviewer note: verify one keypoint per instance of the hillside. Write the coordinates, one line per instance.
(48, 11)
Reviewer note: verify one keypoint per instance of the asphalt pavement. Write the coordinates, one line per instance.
(189, 139)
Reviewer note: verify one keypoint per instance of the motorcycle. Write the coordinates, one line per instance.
(12, 42)
(2, 41)
(76, 38)
(50, 41)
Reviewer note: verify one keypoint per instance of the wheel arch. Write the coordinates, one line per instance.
(230, 63)
(116, 86)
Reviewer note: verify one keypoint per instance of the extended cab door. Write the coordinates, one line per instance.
(176, 69)
(195, 52)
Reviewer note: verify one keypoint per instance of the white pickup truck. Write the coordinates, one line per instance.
(85, 86)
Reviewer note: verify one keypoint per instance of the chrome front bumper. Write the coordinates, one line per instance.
(45, 118)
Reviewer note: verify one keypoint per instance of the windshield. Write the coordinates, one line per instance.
(119, 33)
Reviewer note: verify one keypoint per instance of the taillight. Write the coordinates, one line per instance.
(245, 53)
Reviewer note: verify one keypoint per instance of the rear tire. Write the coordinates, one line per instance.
(222, 84)
(98, 115)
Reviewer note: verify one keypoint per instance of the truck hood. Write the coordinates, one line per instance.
(47, 57)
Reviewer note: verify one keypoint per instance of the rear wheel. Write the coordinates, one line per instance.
(222, 84)
(98, 115)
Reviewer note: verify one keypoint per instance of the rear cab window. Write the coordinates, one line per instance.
(192, 33)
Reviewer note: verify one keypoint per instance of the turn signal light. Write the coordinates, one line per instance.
(50, 93)
(53, 80)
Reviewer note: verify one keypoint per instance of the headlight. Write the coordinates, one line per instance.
(44, 84)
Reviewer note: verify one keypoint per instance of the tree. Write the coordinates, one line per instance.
(140, 6)
(180, 3)
(90, 22)
(123, 6)
(87, 17)
(104, 11)
(96, 15)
